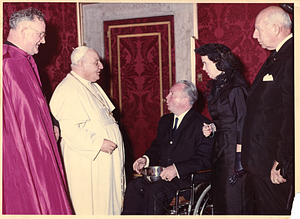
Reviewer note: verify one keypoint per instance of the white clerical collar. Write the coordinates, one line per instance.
(84, 81)
(97, 88)
(180, 117)
(283, 41)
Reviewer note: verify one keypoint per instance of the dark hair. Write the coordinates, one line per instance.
(225, 61)
(25, 15)
(219, 54)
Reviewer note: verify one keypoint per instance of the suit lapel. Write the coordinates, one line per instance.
(170, 126)
(264, 69)
(184, 122)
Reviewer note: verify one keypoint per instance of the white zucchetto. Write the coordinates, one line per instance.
(78, 53)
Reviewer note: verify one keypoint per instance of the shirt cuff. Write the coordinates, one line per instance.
(147, 160)
(176, 171)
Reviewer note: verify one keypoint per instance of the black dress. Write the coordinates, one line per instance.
(227, 107)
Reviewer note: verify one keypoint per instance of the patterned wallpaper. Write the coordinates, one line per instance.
(233, 26)
(141, 56)
(226, 23)
(53, 59)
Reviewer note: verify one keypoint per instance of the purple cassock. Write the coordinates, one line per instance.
(33, 176)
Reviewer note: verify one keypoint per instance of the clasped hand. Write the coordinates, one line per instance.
(276, 178)
(108, 146)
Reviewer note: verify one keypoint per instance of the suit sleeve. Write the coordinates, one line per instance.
(285, 152)
(202, 155)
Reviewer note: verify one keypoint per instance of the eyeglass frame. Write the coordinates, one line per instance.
(41, 34)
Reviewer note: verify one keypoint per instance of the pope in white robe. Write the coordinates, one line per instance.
(95, 170)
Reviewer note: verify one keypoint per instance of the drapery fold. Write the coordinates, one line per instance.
(33, 176)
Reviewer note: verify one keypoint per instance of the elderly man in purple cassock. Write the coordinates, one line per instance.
(33, 177)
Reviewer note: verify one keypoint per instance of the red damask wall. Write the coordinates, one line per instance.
(233, 26)
(229, 24)
(141, 56)
(53, 59)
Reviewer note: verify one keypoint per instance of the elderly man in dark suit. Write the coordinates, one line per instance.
(268, 135)
(181, 153)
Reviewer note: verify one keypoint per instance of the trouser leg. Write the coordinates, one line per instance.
(158, 196)
(134, 195)
(142, 197)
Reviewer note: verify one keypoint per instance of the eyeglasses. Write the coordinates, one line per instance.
(41, 34)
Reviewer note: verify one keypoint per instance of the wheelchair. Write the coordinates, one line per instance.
(200, 202)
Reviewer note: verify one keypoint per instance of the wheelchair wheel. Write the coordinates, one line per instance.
(204, 204)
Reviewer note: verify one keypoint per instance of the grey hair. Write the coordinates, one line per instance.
(281, 17)
(25, 15)
(190, 90)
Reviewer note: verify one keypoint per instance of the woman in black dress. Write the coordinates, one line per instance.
(225, 94)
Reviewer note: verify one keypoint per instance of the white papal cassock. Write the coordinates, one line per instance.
(96, 179)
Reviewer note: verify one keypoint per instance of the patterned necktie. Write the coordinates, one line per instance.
(175, 126)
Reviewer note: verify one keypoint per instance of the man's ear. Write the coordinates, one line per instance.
(187, 100)
(81, 63)
(276, 29)
(23, 31)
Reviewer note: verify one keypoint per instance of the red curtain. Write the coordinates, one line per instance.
(233, 26)
(53, 59)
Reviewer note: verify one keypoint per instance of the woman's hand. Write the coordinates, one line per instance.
(209, 129)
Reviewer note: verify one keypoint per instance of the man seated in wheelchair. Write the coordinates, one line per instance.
(180, 148)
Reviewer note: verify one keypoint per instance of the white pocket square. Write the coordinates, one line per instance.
(268, 77)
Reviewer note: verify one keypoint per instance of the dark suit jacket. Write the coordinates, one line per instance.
(268, 132)
(188, 149)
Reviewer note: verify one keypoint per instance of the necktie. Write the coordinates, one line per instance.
(175, 126)
(271, 58)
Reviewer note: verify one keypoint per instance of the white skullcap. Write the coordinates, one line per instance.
(78, 53)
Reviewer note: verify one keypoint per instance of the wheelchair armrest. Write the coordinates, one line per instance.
(191, 188)
(192, 175)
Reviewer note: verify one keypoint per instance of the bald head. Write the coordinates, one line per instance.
(272, 25)
(276, 15)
